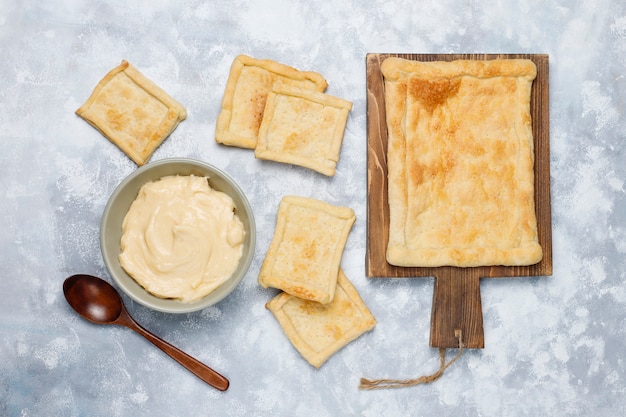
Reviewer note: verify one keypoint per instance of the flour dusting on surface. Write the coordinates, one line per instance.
(553, 344)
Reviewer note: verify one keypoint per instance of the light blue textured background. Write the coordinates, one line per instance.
(554, 345)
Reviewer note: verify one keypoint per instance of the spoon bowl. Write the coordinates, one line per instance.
(99, 302)
(104, 304)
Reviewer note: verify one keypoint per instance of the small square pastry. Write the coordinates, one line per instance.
(132, 112)
(304, 256)
(317, 330)
(249, 82)
(303, 128)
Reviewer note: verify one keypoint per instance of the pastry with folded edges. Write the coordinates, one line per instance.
(317, 330)
(304, 128)
(460, 163)
(306, 250)
(132, 112)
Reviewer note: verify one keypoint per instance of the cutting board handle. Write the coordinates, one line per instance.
(457, 306)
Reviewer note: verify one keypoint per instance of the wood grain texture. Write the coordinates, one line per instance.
(456, 299)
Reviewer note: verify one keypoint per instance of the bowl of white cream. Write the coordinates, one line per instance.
(178, 235)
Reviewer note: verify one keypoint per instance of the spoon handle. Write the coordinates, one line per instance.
(196, 367)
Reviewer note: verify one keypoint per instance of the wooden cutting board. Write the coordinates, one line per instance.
(456, 299)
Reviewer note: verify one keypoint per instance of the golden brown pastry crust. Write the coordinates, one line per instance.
(460, 163)
(306, 250)
(318, 331)
(303, 127)
(249, 82)
(132, 112)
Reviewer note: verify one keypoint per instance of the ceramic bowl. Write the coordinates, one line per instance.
(119, 204)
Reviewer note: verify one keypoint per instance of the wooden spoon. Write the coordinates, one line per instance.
(97, 301)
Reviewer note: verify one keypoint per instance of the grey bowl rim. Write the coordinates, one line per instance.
(129, 286)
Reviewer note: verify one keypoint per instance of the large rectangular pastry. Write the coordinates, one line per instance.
(460, 163)
(249, 82)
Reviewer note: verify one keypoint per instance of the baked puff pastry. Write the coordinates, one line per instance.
(317, 330)
(132, 112)
(304, 128)
(460, 163)
(249, 82)
(306, 250)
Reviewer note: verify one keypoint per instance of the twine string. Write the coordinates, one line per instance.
(371, 384)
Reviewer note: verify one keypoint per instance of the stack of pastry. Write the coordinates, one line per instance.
(283, 114)
(319, 309)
